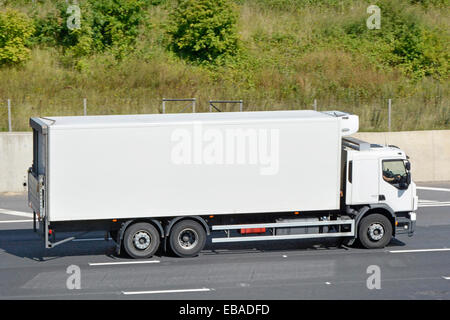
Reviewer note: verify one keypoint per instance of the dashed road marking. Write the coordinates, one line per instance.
(420, 250)
(122, 262)
(434, 204)
(433, 189)
(16, 213)
(166, 291)
(15, 221)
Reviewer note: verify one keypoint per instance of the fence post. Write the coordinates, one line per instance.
(9, 115)
(191, 100)
(315, 104)
(85, 106)
(389, 114)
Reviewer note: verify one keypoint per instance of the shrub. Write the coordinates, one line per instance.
(204, 30)
(15, 30)
(105, 25)
(403, 41)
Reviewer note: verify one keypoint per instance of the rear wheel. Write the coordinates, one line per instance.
(375, 231)
(141, 240)
(187, 238)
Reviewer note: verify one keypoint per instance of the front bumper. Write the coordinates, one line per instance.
(406, 224)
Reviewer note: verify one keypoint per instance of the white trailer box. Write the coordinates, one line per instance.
(116, 167)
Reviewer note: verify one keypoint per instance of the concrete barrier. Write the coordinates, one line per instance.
(16, 156)
(429, 152)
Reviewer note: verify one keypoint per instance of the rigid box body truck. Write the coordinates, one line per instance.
(172, 180)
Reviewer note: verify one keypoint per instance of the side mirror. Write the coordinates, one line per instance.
(408, 165)
(408, 178)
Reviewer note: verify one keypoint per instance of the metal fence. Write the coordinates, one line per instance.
(212, 104)
(192, 104)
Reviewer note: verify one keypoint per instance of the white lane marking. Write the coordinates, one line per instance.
(419, 250)
(435, 204)
(16, 213)
(122, 262)
(166, 291)
(433, 189)
(446, 278)
(15, 221)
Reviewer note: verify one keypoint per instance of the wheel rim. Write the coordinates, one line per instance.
(188, 239)
(375, 231)
(142, 240)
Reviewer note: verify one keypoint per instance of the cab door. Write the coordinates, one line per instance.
(394, 188)
(364, 181)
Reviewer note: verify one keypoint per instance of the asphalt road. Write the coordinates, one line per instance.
(410, 268)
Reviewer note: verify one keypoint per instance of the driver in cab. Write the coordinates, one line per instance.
(389, 176)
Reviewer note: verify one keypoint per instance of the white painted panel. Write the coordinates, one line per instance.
(365, 181)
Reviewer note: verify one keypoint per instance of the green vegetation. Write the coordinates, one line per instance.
(273, 54)
(204, 30)
(15, 30)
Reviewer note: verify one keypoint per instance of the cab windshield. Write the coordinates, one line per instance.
(394, 172)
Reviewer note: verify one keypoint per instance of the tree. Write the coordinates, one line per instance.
(204, 30)
(15, 30)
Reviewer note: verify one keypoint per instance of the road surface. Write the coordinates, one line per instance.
(410, 268)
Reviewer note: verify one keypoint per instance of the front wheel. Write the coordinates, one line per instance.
(187, 238)
(375, 231)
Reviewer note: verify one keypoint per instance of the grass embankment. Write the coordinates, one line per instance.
(291, 53)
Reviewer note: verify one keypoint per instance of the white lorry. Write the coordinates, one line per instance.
(175, 179)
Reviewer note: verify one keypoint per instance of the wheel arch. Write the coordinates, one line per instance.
(379, 208)
(195, 218)
(128, 223)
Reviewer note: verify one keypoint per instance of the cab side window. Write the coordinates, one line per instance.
(394, 171)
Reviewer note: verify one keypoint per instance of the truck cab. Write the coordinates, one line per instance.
(379, 178)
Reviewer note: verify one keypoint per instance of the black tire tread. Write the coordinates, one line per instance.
(366, 222)
(129, 247)
(174, 234)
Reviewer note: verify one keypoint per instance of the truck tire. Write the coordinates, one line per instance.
(375, 231)
(187, 238)
(141, 240)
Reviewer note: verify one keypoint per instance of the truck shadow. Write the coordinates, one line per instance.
(24, 243)
(302, 245)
